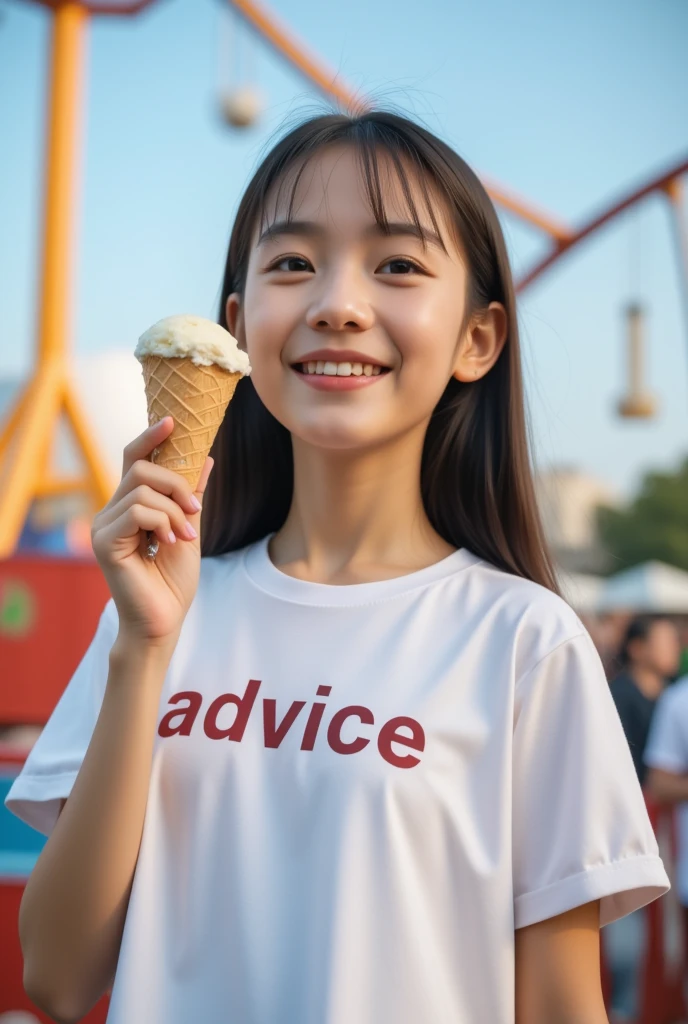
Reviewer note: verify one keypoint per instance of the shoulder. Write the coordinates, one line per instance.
(668, 737)
(675, 697)
(534, 618)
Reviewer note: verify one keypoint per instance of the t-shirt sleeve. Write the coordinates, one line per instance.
(667, 741)
(53, 762)
(580, 828)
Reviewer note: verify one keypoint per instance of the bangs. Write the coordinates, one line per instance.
(384, 159)
(476, 477)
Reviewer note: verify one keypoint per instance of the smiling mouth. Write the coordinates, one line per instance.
(343, 369)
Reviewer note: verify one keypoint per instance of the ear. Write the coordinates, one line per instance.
(235, 318)
(482, 343)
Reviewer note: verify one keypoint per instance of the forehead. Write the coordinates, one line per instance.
(336, 185)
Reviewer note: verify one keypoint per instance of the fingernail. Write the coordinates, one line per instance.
(196, 503)
(190, 532)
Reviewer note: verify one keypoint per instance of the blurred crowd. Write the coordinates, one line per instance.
(646, 660)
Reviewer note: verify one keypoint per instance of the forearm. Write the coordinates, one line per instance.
(558, 969)
(75, 902)
(667, 787)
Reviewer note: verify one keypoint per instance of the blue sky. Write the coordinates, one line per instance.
(568, 105)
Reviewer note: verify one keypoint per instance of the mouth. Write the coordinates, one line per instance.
(327, 368)
(328, 375)
(339, 369)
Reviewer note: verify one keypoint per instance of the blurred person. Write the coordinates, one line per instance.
(666, 758)
(448, 844)
(608, 635)
(649, 657)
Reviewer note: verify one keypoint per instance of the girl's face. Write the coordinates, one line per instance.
(353, 334)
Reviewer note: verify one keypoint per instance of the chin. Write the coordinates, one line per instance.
(336, 436)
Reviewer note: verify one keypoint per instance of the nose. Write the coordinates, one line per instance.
(340, 303)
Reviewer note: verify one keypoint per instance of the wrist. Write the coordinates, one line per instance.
(142, 652)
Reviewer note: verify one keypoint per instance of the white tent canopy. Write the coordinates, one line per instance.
(650, 587)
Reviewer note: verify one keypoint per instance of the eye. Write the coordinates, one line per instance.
(401, 265)
(295, 264)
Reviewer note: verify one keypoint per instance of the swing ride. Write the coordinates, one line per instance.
(26, 435)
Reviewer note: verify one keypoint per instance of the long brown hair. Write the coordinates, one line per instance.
(476, 476)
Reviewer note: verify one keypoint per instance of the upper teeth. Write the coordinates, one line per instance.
(342, 369)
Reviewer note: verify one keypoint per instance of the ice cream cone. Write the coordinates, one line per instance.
(197, 398)
(191, 367)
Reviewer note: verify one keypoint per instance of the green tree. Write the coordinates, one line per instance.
(653, 526)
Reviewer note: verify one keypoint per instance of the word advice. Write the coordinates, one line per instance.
(180, 721)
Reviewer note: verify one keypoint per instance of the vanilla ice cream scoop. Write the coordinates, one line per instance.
(193, 337)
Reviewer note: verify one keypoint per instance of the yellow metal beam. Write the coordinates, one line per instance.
(58, 487)
(11, 426)
(26, 438)
(23, 470)
(61, 177)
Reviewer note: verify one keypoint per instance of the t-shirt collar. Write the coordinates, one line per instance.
(265, 575)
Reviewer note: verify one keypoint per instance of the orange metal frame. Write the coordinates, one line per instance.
(27, 434)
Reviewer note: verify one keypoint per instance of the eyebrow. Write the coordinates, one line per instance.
(309, 229)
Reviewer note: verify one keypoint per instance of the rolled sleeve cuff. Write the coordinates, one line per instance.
(35, 799)
(622, 887)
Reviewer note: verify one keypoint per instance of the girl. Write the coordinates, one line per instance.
(358, 763)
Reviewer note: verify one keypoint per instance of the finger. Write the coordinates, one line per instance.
(129, 524)
(145, 443)
(150, 498)
(195, 518)
(166, 481)
(201, 485)
(205, 474)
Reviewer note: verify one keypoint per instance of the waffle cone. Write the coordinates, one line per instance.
(197, 398)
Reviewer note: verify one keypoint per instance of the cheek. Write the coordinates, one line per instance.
(269, 321)
(262, 316)
(426, 334)
(264, 333)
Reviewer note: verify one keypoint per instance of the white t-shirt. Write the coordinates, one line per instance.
(667, 748)
(416, 767)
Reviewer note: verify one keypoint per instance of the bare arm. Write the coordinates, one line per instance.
(667, 787)
(75, 902)
(558, 970)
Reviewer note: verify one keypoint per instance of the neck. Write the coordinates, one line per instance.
(649, 682)
(359, 517)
